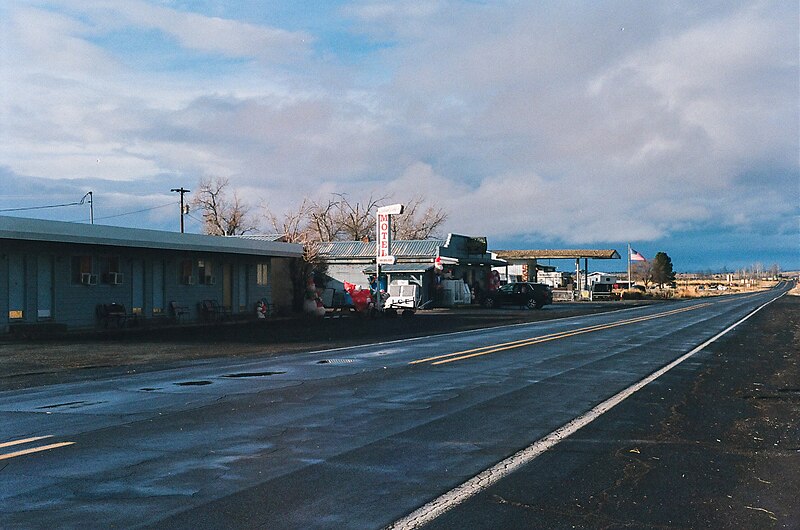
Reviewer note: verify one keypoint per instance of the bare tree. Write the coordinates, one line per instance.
(642, 271)
(299, 226)
(323, 222)
(222, 216)
(355, 219)
(418, 221)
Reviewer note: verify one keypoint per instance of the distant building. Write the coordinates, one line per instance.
(54, 272)
(601, 278)
(461, 258)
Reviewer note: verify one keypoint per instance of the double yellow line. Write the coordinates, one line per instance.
(30, 450)
(494, 348)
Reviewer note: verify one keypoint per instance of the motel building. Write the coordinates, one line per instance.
(70, 275)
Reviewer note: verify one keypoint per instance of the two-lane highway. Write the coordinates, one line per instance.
(357, 437)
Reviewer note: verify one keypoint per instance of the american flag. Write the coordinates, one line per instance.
(635, 256)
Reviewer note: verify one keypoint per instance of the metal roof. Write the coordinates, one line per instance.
(23, 229)
(402, 249)
(558, 254)
(263, 237)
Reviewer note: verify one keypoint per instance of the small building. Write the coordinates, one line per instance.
(61, 273)
(555, 279)
(601, 278)
(432, 264)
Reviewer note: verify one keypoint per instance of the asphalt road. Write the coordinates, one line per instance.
(352, 438)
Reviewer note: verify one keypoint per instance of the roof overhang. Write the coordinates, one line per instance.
(15, 228)
(399, 268)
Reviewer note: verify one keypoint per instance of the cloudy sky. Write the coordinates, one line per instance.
(670, 125)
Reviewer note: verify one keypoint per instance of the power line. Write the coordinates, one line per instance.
(171, 203)
(137, 211)
(42, 207)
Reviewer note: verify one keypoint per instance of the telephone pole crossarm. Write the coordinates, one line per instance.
(183, 210)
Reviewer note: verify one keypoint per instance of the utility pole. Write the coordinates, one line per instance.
(91, 205)
(182, 192)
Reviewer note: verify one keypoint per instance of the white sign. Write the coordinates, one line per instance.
(383, 243)
(392, 209)
(384, 240)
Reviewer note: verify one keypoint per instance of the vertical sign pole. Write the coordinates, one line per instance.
(630, 285)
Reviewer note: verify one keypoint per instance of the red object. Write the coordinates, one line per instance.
(362, 298)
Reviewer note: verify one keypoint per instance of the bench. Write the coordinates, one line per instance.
(177, 311)
(111, 313)
(211, 311)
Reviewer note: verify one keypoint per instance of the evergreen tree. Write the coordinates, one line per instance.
(662, 272)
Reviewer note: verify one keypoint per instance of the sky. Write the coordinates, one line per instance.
(672, 126)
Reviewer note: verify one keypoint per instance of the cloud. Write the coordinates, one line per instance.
(529, 123)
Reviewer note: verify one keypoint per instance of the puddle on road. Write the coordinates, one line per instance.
(194, 383)
(253, 374)
(71, 404)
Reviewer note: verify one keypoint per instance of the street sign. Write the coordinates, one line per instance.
(392, 209)
(386, 260)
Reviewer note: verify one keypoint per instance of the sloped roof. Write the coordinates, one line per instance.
(17, 228)
(263, 237)
(360, 249)
(558, 254)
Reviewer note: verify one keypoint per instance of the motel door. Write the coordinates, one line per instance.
(137, 287)
(242, 288)
(158, 287)
(44, 287)
(227, 286)
(16, 287)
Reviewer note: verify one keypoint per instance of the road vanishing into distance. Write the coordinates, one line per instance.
(363, 437)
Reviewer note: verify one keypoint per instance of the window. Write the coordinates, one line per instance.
(262, 274)
(110, 270)
(185, 272)
(81, 269)
(205, 272)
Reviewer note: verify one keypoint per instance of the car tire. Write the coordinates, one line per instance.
(488, 303)
(531, 304)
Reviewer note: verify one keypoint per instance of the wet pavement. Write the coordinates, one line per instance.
(713, 444)
(87, 354)
(358, 437)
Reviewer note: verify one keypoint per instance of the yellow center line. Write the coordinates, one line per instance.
(34, 450)
(523, 342)
(24, 441)
(485, 350)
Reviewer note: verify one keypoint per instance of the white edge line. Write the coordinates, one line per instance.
(487, 478)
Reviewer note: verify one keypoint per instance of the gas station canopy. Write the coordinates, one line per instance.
(557, 254)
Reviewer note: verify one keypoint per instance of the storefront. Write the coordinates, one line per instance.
(445, 270)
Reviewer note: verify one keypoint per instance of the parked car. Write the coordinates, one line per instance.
(523, 294)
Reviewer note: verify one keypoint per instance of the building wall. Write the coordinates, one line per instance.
(281, 284)
(352, 273)
(46, 277)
